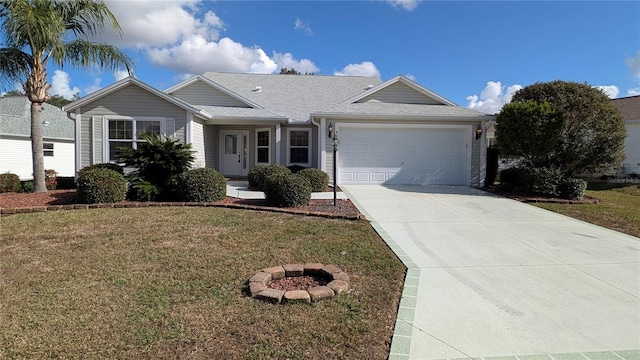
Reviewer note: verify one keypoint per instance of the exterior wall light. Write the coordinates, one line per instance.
(330, 130)
(479, 132)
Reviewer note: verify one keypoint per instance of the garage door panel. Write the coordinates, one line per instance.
(408, 156)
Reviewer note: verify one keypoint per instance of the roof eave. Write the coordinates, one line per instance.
(347, 116)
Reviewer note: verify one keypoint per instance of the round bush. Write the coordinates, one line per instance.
(115, 167)
(572, 188)
(101, 185)
(318, 179)
(258, 174)
(9, 183)
(287, 190)
(202, 185)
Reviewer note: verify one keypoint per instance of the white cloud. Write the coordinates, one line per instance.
(492, 97)
(411, 77)
(60, 85)
(633, 91)
(611, 91)
(287, 60)
(120, 74)
(93, 87)
(304, 26)
(366, 68)
(408, 5)
(633, 63)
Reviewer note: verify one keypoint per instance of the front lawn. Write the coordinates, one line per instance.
(618, 207)
(170, 283)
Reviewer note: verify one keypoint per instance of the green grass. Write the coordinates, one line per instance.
(170, 282)
(618, 207)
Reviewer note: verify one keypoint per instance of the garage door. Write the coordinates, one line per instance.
(408, 156)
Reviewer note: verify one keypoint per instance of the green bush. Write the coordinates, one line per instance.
(318, 179)
(543, 180)
(115, 167)
(295, 168)
(572, 188)
(9, 183)
(27, 186)
(101, 185)
(287, 190)
(512, 176)
(258, 174)
(202, 185)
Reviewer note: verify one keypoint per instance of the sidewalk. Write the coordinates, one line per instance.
(240, 189)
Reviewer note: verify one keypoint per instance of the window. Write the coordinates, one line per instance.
(299, 149)
(263, 148)
(128, 133)
(47, 149)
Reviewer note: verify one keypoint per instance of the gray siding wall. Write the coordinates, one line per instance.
(129, 101)
(401, 94)
(200, 93)
(197, 142)
(211, 147)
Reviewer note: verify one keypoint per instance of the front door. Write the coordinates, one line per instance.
(233, 150)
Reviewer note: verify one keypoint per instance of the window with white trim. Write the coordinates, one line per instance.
(47, 149)
(263, 146)
(299, 147)
(128, 133)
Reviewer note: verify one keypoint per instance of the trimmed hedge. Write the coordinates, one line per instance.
(287, 190)
(202, 185)
(101, 185)
(9, 183)
(257, 174)
(115, 167)
(318, 179)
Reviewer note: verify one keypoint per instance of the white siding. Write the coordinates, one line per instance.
(200, 93)
(401, 94)
(15, 157)
(632, 148)
(197, 143)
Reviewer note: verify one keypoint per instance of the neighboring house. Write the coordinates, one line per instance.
(393, 132)
(15, 138)
(629, 108)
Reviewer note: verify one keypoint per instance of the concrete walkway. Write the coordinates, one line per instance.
(493, 278)
(240, 189)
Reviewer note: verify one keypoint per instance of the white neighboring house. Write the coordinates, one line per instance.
(629, 108)
(15, 139)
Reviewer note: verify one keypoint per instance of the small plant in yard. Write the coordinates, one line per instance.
(318, 179)
(158, 161)
(287, 190)
(202, 184)
(50, 179)
(9, 183)
(101, 186)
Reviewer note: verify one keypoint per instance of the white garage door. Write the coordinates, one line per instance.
(419, 156)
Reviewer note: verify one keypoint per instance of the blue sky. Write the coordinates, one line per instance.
(473, 53)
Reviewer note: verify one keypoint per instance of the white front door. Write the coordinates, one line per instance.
(233, 152)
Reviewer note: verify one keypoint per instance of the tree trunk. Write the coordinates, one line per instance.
(36, 149)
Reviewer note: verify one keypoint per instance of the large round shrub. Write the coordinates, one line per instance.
(287, 190)
(202, 185)
(101, 185)
(9, 183)
(318, 179)
(115, 167)
(258, 174)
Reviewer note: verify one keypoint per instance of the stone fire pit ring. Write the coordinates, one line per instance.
(259, 283)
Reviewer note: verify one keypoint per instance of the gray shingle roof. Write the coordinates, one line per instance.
(400, 110)
(15, 119)
(293, 96)
(629, 107)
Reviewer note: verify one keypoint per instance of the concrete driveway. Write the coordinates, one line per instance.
(490, 277)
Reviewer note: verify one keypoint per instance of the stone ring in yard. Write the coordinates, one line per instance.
(323, 281)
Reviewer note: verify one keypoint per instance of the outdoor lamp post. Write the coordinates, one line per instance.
(333, 135)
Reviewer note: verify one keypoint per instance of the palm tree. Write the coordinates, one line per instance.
(59, 31)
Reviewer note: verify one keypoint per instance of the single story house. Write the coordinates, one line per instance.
(15, 138)
(392, 132)
(629, 108)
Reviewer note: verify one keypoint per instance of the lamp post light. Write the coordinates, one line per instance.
(333, 135)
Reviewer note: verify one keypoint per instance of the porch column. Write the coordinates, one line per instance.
(278, 142)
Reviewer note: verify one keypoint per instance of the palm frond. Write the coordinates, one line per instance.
(86, 17)
(81, 53)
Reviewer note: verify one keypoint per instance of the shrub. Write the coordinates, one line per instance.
(257, 178)
(543, 180)
(115, 167)
(203, 184)
(287, 190)
(295, 168)
(318, 179)
(572, 188)
(9, 183)
(27, 186)
(141, 189)
(101, 185)
(50, 179)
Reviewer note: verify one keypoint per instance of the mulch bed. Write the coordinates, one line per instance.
(63, 198)
(297, 283)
